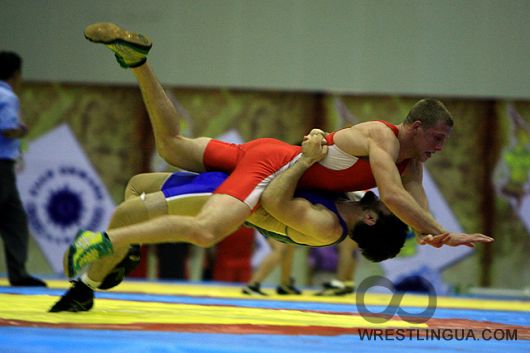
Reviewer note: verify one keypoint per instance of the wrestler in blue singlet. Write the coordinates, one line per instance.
(188, 186)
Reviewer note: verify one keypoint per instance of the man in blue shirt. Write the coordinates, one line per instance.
(13, 221)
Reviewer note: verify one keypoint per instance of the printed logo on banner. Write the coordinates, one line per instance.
(63, 199)
(61, 192)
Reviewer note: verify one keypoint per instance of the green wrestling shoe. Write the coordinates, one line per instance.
(129, 48)
(86, 248)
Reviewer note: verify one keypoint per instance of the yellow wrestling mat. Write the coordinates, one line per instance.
(208, 313)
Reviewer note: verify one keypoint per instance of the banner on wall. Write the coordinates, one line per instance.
(61, 193)
(512, 174)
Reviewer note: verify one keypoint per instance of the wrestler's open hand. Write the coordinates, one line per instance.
(455, 239)
(314, 146)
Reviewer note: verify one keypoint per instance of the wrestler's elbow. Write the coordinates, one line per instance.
(269, 202)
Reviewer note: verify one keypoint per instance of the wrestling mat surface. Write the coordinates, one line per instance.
(140, 316)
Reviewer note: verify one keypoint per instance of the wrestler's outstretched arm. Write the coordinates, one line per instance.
(405, 196)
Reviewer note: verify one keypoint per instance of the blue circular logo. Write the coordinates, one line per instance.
(64, 207)
(61, 201)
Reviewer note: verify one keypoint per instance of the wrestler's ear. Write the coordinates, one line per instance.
(416, 125)
(369, 217)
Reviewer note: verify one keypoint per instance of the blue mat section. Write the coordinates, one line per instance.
(40, 340)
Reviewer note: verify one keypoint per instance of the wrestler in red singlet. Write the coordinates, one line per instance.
(253, 164)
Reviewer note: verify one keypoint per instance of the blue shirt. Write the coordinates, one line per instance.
(9, 119)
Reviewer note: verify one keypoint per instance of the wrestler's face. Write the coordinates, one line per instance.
(430, 140)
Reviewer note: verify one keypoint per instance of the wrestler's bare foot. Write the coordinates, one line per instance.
(129, 48)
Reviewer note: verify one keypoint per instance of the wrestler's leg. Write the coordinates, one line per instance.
(177, 150)
(136, 207)
(276, 256)
(286, 278)
(347, 261)
(344, 282)
(131, 51)
(220, 216)
(143, 201)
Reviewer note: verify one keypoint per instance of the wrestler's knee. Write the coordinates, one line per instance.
(207, 234)
(167, 152)
(183, 152)
(133, 186)
(205, 238)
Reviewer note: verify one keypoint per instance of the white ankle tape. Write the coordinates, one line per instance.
(89, 282)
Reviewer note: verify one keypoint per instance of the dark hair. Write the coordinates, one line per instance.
(381, 241)
(10, 63)
(429, 112)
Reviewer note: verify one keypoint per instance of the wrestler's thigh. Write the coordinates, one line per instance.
(223, 214)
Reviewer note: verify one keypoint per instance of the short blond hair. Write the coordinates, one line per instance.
(429, 112)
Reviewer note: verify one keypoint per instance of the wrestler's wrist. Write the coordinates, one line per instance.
(306, 161)
(424, 234)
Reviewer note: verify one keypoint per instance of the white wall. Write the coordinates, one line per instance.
(475, 48)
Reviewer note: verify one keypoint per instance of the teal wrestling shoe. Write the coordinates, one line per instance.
(86, 248)
(129, 48)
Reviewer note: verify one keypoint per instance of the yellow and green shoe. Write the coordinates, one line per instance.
(129, 48)
(86, 248)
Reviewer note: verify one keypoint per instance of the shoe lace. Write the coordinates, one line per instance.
(88, 257)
